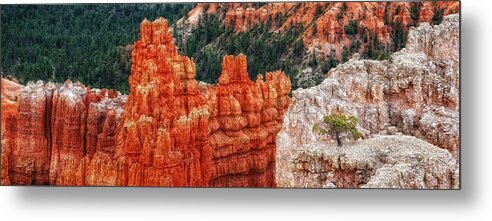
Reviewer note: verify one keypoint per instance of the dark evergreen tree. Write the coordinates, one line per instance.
(415, 11)
(352, 28)
(438, 15)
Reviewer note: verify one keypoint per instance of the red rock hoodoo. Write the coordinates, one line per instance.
(46, 129)
(244, 120)
(177, 133)
(82, 122)
(172, 132)
(163, 141)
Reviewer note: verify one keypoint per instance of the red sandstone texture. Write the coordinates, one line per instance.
(83, 121)
(163, 141)
(245, 117)
(172, 132)
(177, 133)
(330, 26)
(10, 118)
(44, 129)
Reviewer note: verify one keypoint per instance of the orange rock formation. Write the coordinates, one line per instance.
(330, 26)
(10, 119)
(244, 120)
(172, 132)
(163, 141)
(82, 122)
(44, 129)
(176, 133)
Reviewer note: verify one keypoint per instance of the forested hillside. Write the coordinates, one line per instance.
(267, 51)
(78, 42)
(305, 40)
(93, 43)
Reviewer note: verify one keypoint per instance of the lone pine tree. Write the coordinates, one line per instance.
(338, 125)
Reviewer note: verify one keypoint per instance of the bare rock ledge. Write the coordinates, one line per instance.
(388, 161)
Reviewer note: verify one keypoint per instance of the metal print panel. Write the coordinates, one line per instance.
(273, 95)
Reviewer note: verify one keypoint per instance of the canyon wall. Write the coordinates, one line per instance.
(10, 116)
(415, 92)
(48, 129)
(245, 117)
(324, 22)
(171, 130)
(83, 122)
(177, 132)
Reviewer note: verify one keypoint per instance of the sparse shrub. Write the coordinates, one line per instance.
(319, 11)
(415, 11)
(345, 54)
(339, 16)
(397, 10)
(438, 15)
(315, 29)
(352, 28)
(337, 125)
(383, 56)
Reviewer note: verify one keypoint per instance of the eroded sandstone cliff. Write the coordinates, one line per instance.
(45, 128)
(10, 118)
(179, 133)
(82, 122)
(415, 92)
(169, 131)
(245, 117)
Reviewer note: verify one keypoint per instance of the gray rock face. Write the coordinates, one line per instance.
(388, 161)
(415, 92)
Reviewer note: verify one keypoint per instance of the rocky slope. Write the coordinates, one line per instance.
(324, 22)
(394, 161)
(415, 92)
(170, 131)
(379, 18)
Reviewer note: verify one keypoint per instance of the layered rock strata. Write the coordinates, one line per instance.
(415, 92)
(169, 131)
(45, 128)
(83, 121)
(163, 141)
(177, 133)
(245, 117)
(10, 117)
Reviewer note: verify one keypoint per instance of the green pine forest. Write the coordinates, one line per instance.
(92, 43)
(266, 50)
(79, 42)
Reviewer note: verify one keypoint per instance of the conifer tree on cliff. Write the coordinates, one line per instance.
(338, 125)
